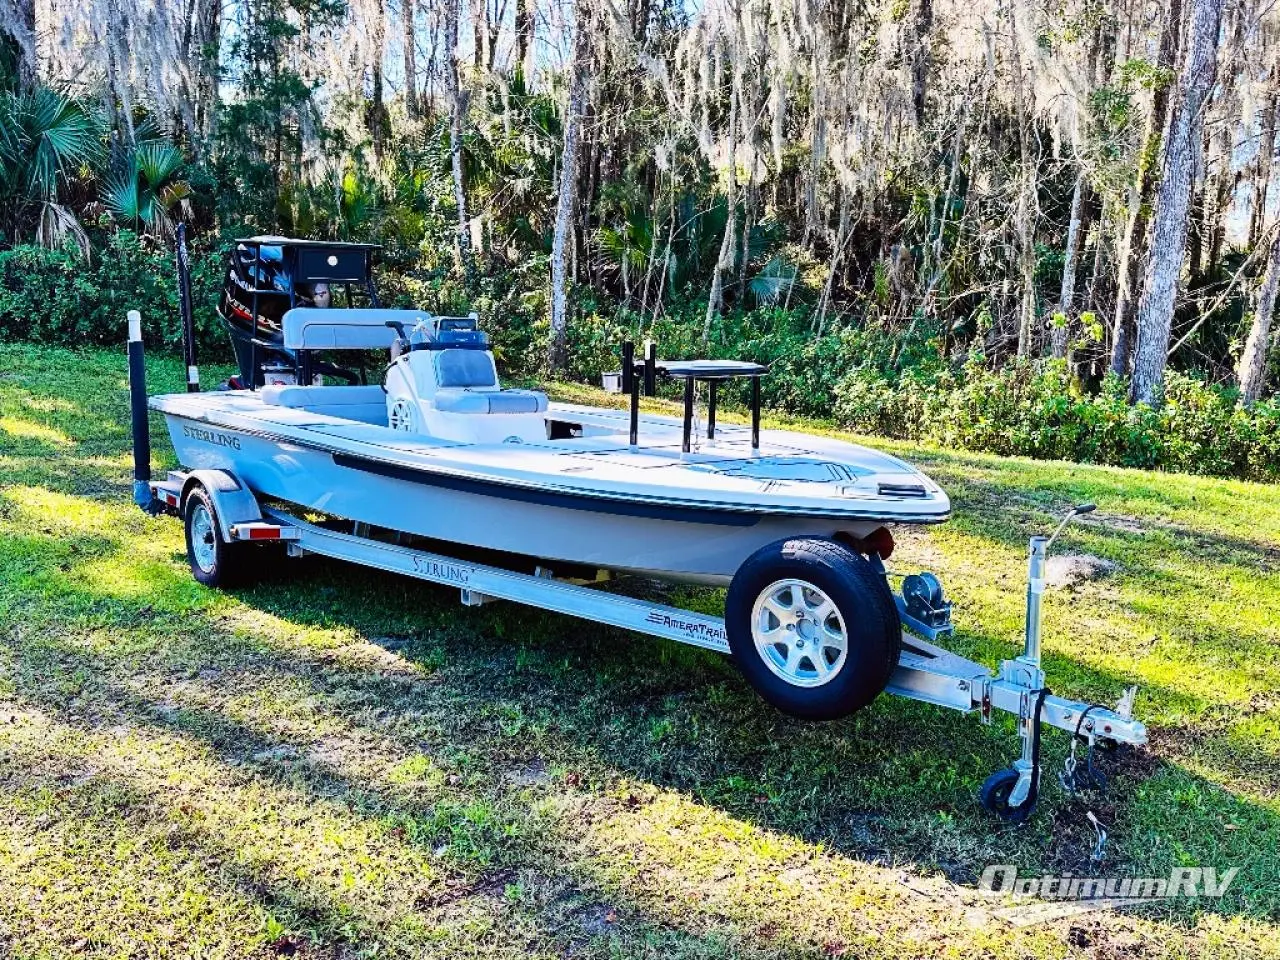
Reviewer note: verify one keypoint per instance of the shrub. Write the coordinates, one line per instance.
(51, 296)
(1030, 409)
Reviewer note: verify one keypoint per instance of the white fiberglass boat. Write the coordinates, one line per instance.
(445, 453)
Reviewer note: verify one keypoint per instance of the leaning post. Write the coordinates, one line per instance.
(138, 414)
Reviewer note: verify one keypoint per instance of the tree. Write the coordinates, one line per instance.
(457, 114)
(1141, 194)
(19, 24)
(1182, 148)
(1252, 372)
(1071, 257)
(408, 9)
(725, 259)
(566, 198)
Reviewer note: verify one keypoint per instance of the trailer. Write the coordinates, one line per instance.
(223, 519)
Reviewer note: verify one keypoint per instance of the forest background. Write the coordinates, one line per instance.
(1040, 228)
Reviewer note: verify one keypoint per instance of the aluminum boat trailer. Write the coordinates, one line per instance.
(926, 671)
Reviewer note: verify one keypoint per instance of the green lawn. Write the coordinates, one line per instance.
(334, 765)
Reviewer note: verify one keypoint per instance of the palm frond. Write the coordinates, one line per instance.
(58, 227)
(157, 161)
(62, 133)
(773, 281)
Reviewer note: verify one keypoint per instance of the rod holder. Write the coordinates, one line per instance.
(138, 413)
(688, 414)
(711, 409)
(755, 414)
(188, 317)
(631, 386)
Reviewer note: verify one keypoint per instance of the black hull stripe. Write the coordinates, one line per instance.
(549, 498)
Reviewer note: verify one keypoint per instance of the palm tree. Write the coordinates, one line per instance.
(45, 138)
(147, 188)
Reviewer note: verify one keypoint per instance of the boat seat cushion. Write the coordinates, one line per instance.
(465, 368)
(462, 400)
(367, 404)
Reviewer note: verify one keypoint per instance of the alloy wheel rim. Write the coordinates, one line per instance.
(203, 545)
(799, 633)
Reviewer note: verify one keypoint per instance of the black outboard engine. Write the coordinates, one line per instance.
(265, 278)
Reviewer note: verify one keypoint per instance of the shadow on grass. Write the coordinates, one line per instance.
(495, 693)
(894, 783)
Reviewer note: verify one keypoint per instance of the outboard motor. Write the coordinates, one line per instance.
(263, 281)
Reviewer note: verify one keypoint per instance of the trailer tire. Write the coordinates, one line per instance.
(814, 628)
(214, 561)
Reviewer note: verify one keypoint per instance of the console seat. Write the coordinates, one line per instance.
(466, 400)
(467, 382)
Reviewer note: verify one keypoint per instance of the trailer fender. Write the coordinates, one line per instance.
(233, 502)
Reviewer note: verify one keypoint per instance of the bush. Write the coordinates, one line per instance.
(1029, 409)
(51, 296)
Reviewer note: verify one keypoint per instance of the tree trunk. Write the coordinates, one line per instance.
(457, 112)
(568, 189)
(206, 36)
(1024, 216)
(1066, 296)
(921, 57)
(526, 25)
(1266, 161)
(408, 8)
(1169, 226)
(23, 32)
(725, 260)
(1226, 178)
(1252, 372)
(1133, 243)
(376, 118)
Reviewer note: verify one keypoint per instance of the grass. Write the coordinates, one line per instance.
(338, 764)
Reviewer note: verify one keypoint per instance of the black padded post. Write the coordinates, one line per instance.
(138, 414)
(688, 413)
(631, 386)
(650, 368)
(711, 411)
(755, 413)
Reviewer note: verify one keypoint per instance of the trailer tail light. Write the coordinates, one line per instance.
(260, 531)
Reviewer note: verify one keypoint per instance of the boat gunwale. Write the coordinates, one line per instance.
(604, 496)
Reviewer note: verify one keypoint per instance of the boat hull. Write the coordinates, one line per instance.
(686, 544)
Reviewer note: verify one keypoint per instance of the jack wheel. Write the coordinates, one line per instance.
(994, 797)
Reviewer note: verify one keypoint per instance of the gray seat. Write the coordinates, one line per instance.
(368, 404)
(465, 368)
(464, 400)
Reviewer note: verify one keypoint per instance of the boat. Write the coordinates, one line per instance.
(419, 462)
(442, 451)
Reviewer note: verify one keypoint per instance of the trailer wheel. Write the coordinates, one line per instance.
(813, 627)
(214, 562)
